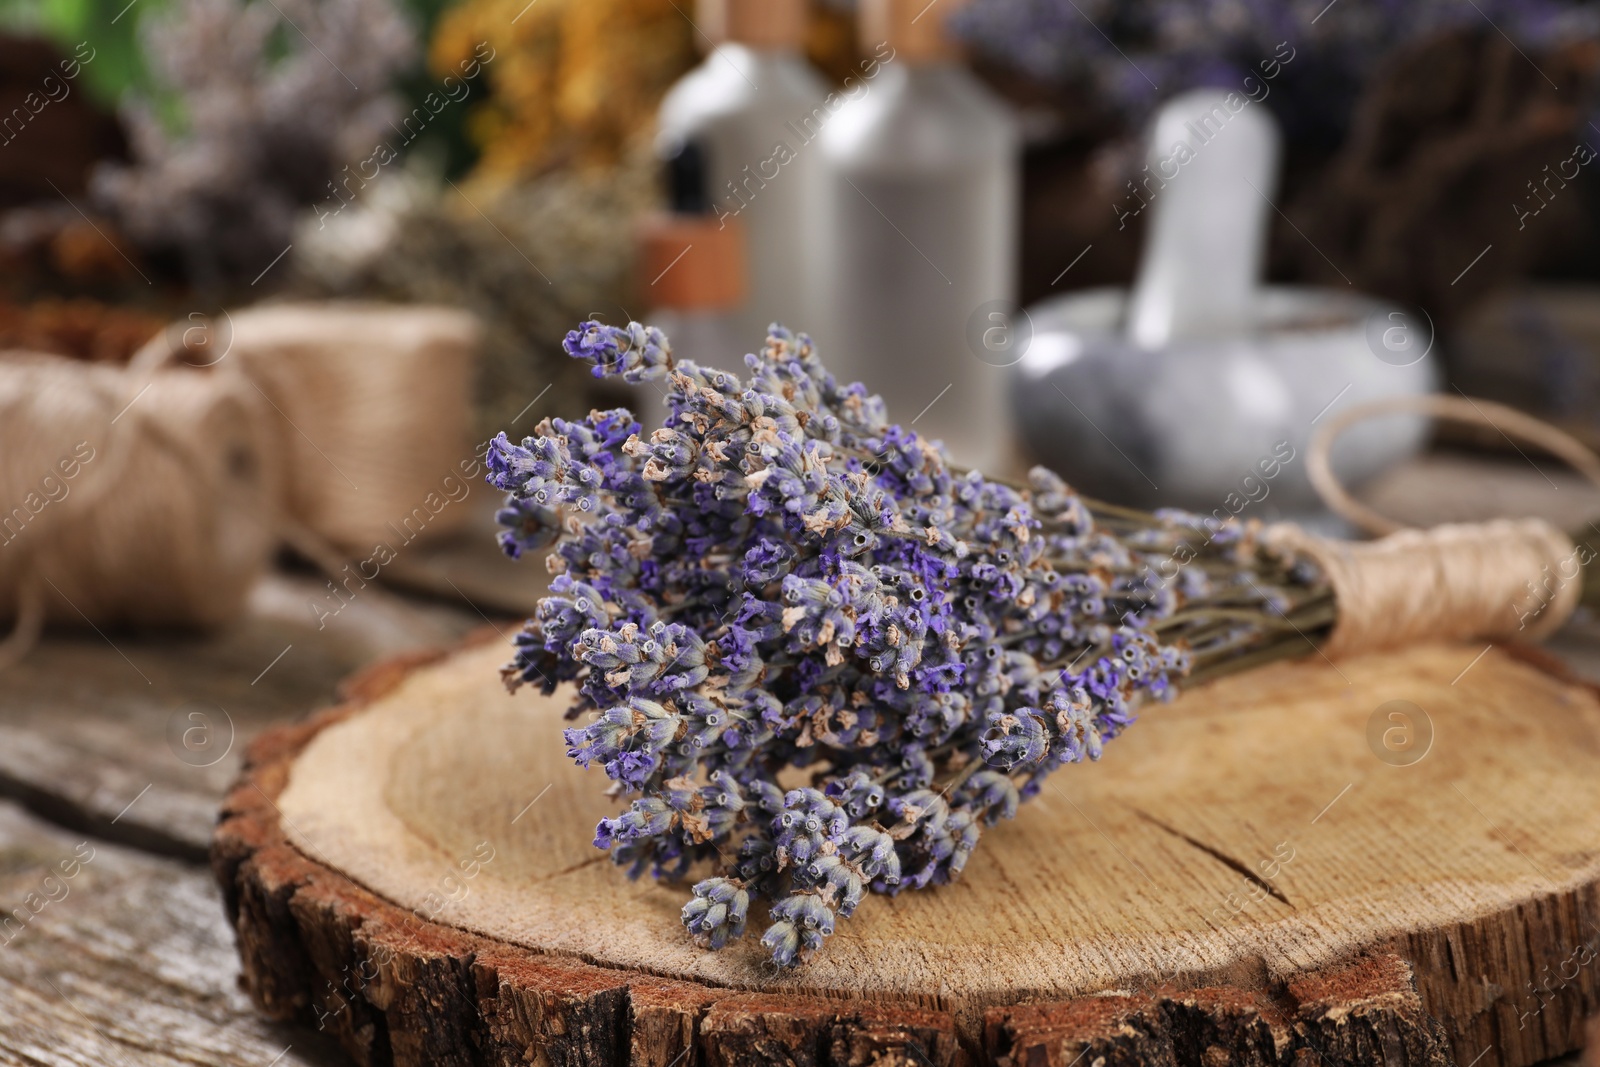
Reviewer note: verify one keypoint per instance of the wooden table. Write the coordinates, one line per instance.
(115, 752)
(119, 748)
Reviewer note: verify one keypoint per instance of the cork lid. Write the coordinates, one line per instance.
(692, 262)
(913, 28)
(757, 23)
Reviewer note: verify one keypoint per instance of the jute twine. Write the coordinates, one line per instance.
(372, 404)
(1502, 580)
(140, 494)
(157, 492)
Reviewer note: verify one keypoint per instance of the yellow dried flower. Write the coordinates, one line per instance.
(571, 81)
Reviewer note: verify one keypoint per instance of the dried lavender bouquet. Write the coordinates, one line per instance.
(781, 585)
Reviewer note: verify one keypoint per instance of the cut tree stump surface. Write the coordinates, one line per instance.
(1253, 874)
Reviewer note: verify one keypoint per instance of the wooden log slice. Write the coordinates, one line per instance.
(1390, 860)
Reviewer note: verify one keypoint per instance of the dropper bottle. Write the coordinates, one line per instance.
(914, 260)
(693, 268)
(738, 108)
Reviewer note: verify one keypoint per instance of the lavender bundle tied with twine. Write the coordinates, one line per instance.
(818, 659)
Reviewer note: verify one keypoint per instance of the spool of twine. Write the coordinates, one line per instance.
(155, 493)
(1503, 580)
(138, 494)
(370, 406)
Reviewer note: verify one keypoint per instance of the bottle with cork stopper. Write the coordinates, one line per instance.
(693, 269)
(914, 258)
(737, 110)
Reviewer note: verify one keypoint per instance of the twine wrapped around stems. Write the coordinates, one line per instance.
(1500, 580)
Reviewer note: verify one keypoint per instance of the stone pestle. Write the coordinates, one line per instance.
(1200, 387)
(1210, 174)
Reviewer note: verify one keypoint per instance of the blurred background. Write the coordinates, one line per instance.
(878, 178)
(272, 272)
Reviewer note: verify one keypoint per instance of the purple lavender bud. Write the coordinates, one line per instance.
(528, 526)
(1077, 734)
(1014, 738)
(634, 353)
(800, 923)
(857, 793)
(716, 914)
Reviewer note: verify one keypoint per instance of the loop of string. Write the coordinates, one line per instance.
(1500, 580)
(1486, 413)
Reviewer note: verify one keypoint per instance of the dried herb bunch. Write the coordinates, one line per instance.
(559, 95)
(413, 239)
(781, 585)
(1151, 43)
(272, 98)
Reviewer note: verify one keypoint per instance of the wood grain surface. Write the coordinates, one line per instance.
(109, 956)
(1250, 872)
(136, 737)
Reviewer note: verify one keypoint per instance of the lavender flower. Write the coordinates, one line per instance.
(1125, 49)
(779, 578)
(275, 98)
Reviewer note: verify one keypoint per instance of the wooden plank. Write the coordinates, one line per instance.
(136, 737)
(127, 961)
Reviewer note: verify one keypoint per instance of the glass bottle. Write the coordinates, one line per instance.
(914, 262)
(694, 270)
(741, 107)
